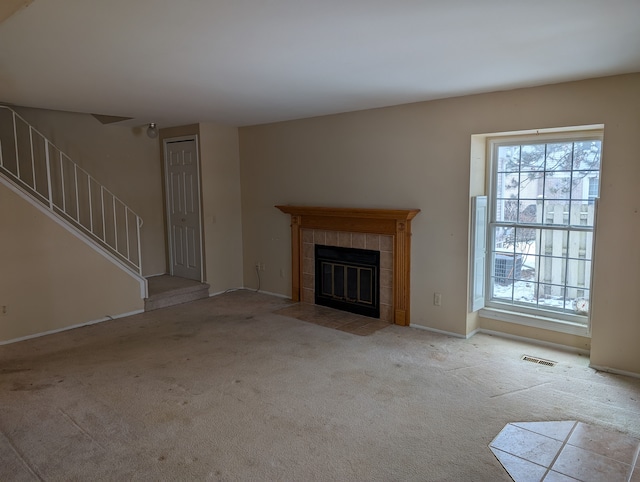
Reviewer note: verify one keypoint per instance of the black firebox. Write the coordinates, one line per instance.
(348, 279)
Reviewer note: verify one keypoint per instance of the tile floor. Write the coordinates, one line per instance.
(566, 451)
(330, 318)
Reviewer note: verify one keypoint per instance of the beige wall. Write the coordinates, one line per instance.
(52, 280)
(9, 7)
(220, 179)
(411, 156)
(71, 282)
(121, 158)
(418, 156)
(477, 187)
(221, 214)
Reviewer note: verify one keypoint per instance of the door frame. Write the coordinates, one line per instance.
(165, 142)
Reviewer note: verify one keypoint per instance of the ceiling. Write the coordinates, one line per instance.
(244, 62)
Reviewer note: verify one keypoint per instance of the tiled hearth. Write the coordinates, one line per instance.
(374, 242)
(335, 319)
(566, 451)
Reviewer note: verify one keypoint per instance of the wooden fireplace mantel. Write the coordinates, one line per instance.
(394, 222)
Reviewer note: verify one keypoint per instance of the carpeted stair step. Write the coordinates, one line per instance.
(164, 297)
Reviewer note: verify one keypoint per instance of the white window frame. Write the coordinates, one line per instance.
(523, 314)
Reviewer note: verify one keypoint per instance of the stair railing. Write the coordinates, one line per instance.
(46, 173)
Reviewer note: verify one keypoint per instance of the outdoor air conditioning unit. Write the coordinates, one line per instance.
(507, 267)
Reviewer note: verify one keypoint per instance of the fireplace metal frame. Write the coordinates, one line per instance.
(349, 258)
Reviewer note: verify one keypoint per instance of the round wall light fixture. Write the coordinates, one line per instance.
(152, 130)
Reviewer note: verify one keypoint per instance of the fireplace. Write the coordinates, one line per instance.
(348, 279)
(389, 231)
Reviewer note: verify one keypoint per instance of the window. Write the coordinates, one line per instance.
(541, 224)
(593, 186)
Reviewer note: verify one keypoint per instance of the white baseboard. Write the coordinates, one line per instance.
(79, 325)
(441, 332)
(614, 371)
(534, 341)
(278, 295)
(217, 293)
(469, 335)
(252, 290)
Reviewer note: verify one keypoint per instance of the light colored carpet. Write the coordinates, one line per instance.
(224, 389)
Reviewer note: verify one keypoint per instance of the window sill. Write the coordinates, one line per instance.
(534, 321)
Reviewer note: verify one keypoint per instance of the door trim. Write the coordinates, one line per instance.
(165, 142)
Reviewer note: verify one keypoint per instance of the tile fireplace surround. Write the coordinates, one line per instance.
(384, 230)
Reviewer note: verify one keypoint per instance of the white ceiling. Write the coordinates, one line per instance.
(243, 62)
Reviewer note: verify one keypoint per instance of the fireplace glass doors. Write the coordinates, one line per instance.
(348, 279)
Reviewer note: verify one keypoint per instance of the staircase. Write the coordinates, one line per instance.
(44, 176)
(32, 166)
(165, 291)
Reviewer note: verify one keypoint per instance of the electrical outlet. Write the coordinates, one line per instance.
(3, 311)
(437, 299)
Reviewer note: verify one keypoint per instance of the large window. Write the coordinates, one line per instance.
(541, 226)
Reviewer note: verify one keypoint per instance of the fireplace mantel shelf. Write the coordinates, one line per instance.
(367, 213)
(394, 222)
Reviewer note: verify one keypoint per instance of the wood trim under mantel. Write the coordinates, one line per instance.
(394, 222)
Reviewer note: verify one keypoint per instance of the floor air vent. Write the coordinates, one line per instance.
(539, 361)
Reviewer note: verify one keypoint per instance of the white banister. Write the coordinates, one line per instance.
(90, 203)
(138, 226)
(115, 223)
(104, 221)
(63, 191)
(48, 167)
(15, 137)
(33, 162)
(60, 190)
(126, 225)
(75, 185)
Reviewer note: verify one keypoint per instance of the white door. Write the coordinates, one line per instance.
(182, 179)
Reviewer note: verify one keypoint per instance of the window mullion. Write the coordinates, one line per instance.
(550, 227)
(566, 268)
(538, 261)
(544, 185)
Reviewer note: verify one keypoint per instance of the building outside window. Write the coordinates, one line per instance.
(541, 225)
